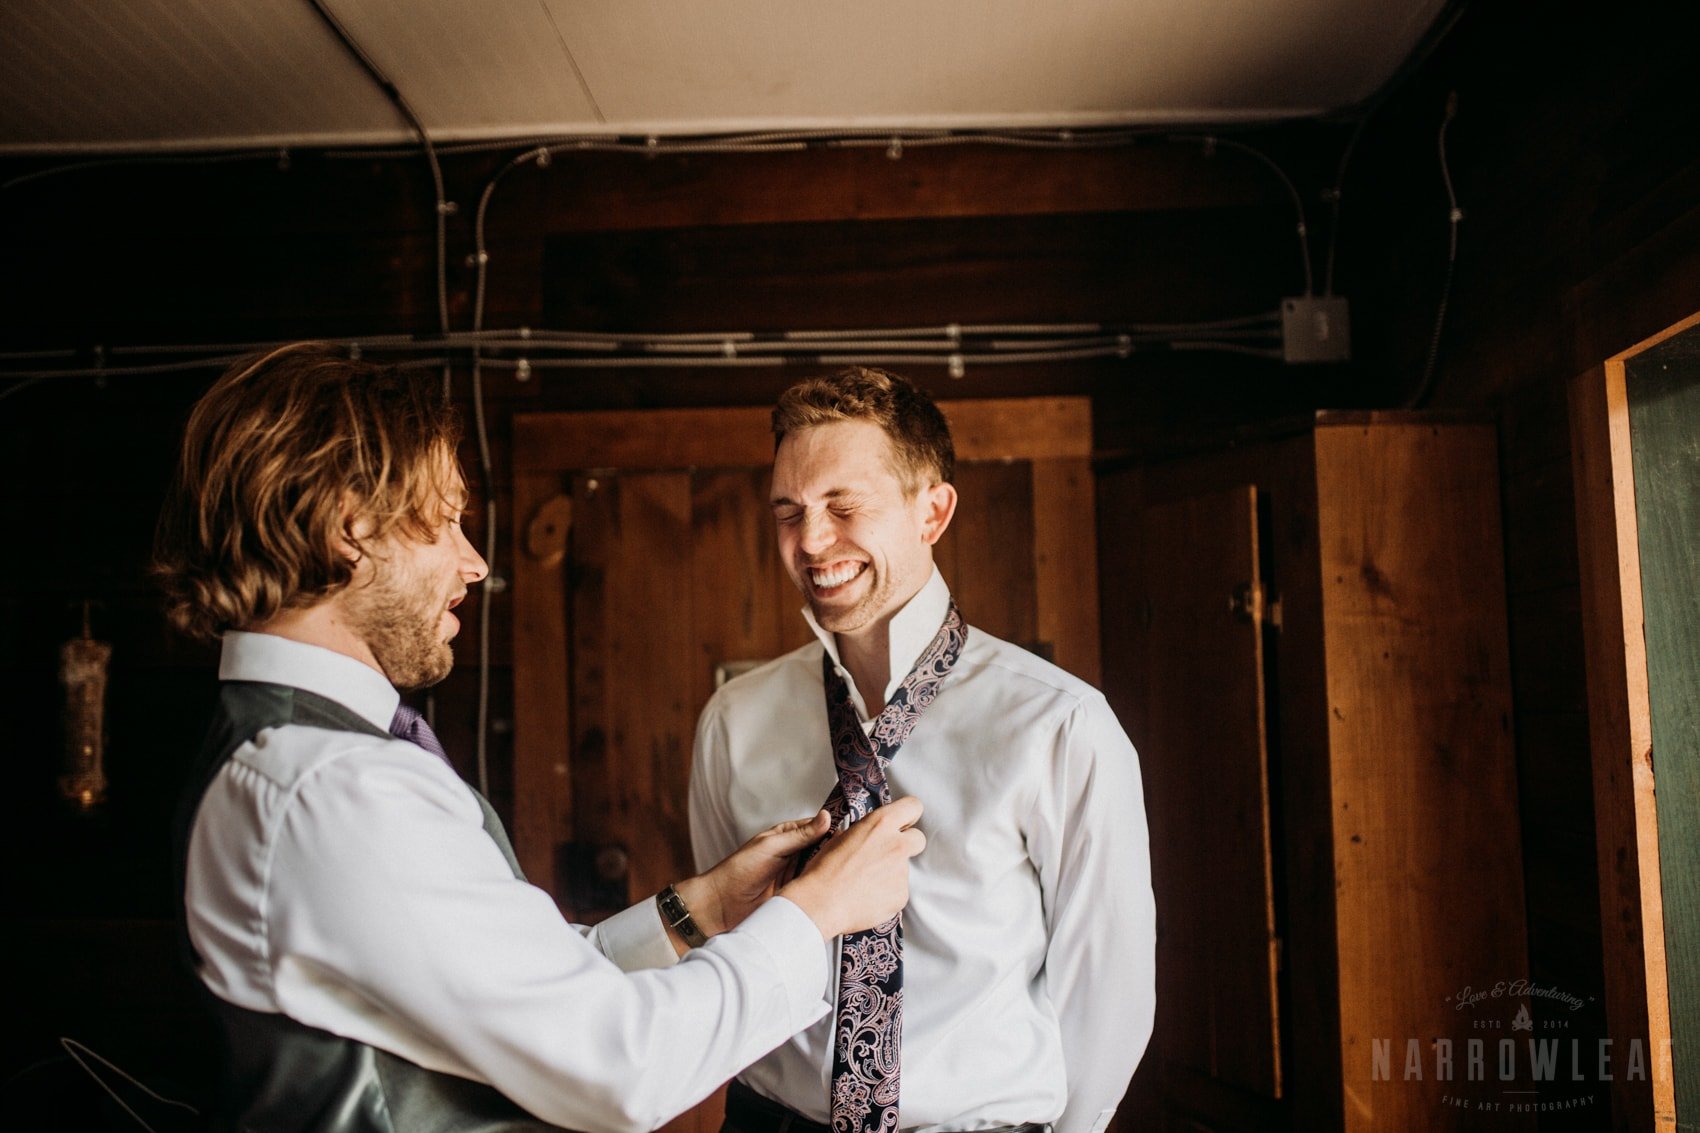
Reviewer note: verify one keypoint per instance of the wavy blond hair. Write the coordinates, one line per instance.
(920, 438)
(283, 459)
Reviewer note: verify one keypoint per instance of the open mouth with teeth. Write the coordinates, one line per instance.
(833, 577)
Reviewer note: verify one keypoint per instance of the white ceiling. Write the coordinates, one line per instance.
(146, 75)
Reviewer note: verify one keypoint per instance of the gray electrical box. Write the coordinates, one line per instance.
(1315, 329)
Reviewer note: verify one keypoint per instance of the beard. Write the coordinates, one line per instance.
(398, 618)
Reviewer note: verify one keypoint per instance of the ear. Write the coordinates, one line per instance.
(354, 526)
(939, 505)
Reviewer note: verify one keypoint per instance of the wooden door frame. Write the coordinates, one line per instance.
(1054, 433)
(1620, 733)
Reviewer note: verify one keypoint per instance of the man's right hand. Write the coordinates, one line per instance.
(860, 878)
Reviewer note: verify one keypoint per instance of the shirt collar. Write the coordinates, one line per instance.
(912, 629)
(336, 676)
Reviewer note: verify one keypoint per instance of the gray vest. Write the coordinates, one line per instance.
(281, 1076)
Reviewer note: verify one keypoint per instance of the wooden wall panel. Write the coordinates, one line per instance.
(542, 783)
(991, 543)
(648, 593)
(742, 599)
(595, 524)
(1065, 566)
(1419, 725)
(1207, 783)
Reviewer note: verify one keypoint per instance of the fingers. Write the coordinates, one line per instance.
(789, 837)
(906, 811)
(861, 879)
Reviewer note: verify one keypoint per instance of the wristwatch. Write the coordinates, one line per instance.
(678, 917)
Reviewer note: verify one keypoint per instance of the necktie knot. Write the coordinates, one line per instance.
(409, 724)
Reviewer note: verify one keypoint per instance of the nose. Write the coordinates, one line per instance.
(818, 532)
(473, 568)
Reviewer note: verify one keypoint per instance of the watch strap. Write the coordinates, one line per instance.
(677, 916)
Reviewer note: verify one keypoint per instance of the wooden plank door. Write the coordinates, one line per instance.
(645, 565)
(1202, 738)
(673, 576)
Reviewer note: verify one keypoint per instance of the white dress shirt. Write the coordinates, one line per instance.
(1029, 940)
(347, 882)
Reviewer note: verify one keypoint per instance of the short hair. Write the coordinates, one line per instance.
(281, 456)
(920, 436)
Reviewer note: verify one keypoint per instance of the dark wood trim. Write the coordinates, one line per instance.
(1022, 428)
(598, 193)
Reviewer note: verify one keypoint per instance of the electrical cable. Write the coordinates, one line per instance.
(1211, 141)
(131, 371)
(551, 348)
(400, 102)
(1334, 198)
(572, 60)
(1413, 62)
(488, 588)
(771, 141)
(531, 339)
(441, 205)
(950, 331)
(657, 362)
(1273, 354)
(19, 387)
(281, 156)
(1454, 215)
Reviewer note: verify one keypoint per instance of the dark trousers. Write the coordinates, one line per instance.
(749, 1112)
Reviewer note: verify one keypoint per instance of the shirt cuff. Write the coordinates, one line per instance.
(801, 955)
(636, 938)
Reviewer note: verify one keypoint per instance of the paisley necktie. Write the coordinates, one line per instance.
(868, 1024)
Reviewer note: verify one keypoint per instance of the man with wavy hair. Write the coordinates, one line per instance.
(374, 958)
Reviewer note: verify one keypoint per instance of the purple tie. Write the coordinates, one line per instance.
(868, 1025)
(409, 724)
